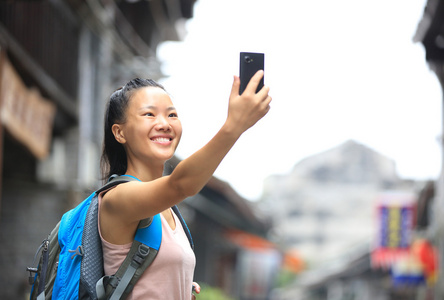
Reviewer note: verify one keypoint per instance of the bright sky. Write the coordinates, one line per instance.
(338, 70)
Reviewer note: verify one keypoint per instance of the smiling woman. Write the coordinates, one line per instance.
(151, 131)
(142, 132)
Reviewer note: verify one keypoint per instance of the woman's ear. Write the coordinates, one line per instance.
(118, 133)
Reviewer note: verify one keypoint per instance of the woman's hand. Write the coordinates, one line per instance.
(246, 109)
(196, 289)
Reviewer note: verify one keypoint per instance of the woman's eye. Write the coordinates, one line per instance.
(149, 114)
(172, 115)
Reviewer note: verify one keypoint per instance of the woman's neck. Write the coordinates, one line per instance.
(144, 172)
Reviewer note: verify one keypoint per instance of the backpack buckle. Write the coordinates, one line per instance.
(144, 250)
(32, 272)
(140, 255)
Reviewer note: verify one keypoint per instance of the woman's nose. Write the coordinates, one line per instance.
(163, 124)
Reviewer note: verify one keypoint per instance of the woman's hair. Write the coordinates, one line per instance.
(113, 160)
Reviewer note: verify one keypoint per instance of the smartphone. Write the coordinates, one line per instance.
(249, 64)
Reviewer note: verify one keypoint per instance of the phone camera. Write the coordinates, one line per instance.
(248, 59)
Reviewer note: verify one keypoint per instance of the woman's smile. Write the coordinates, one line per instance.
(162, 139)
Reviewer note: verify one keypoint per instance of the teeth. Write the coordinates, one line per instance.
(162, 139)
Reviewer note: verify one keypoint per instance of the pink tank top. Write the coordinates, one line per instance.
(170, 275)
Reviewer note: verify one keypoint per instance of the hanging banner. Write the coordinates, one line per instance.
(419, 268)
(395, 220)
(26, 115)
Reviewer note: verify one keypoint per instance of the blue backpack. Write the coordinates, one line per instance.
(71, 262)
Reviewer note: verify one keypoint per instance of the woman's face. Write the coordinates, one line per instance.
(152, 129)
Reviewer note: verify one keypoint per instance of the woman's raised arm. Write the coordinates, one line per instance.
(138, 200)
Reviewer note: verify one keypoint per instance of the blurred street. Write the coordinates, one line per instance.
(342, 224)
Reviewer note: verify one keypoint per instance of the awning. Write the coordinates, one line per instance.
(248, 240)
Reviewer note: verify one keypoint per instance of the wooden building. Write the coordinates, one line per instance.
(59, 62)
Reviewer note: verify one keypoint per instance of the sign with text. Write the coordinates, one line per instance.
(26, 115)
(395, 226)
(395, 220)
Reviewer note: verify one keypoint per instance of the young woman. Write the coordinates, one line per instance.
(142, 131)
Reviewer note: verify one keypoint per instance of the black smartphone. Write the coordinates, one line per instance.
(249, 64)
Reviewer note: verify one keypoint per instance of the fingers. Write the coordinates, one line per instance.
(267, 101)
(250, 90)
(235, 87)
(252, 84)
(196, 287)
(246, 109)
(254, 81)
(264, 98)
(263, 93)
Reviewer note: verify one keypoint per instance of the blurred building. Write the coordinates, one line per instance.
(354, 221)
(326, 205)
(430, 32)
(407, 273)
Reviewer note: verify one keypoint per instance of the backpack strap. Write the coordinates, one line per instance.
(184, 225)
(141, 254)
(92, 259)
(143, 250)
(44, 278)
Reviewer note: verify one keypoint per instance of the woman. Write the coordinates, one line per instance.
(142, 131)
